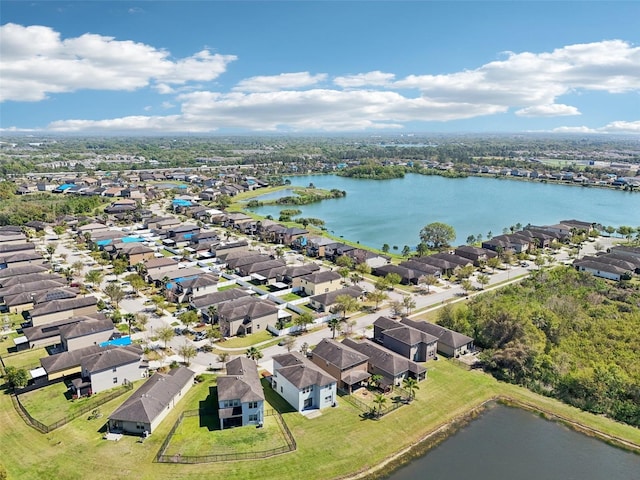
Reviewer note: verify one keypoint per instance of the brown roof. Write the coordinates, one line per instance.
(444, 335)
(338, 354)
(107, 359)
(63, 305)
(246, 307)
(86, 327)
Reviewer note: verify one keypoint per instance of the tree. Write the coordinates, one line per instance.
(344, 261)
(214, 334)
(288, 343)
(136, 281)
(141, 321)
(406, 251)
(94, 277)
(377, 296)
(129, 317)
(408, 303)
(363, 268)
(385, 248)
(539, 261)
(437, 235)
(471, 239)
(114, 292)
(165, 334)
(380, 400)
(223, 201)
(254, 353)
(464, 272)
(483, 280)
(410, 385)
(51, 249)
(303, 320)
(189, 317)
(397, 308)
(382, 284)
(422, 249)
(16, 377)
(223, 357)
(345, 304)
(120, 266)
(76, 267)
(355, 278)
(187, 352)
(344, 272)
(429, 281)
(393, 279)
(333, 324)
(304, 348)
(374, 380)
(466, 286)
(493, 262)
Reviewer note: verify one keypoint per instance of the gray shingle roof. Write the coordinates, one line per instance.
(384, 359)
(153, 397)
(85, 327)
(241, 382)
(22, 270)
(218, 297)
(301, 372)
(246, 307)
(52, 329)
(338, 354)
(330, 297)
(444, 335)
(63, 305)
(107, 359)
(322, 277)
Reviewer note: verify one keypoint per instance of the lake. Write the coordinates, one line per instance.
(375, 212)
(507, 443)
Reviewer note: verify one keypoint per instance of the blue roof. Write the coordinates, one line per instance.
(66, 186)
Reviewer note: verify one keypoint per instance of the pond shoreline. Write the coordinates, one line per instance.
(438, 435)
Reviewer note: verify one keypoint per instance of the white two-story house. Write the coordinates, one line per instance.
(240, 395)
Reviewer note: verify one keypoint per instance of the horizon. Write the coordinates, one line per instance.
(317, 68)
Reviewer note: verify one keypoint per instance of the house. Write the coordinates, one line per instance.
(302, 383)
(92, 228)
(240, 394)
(295, 271)
(208, 303)
(263, 271)
(405, 340)
(602, 268)
(21, 258)
(223, 249)
(407, 275)
(157, 267)
(68, 364)
(49, 334)
(30, 288)
(91, 331)
(188, 289)
(392, 367)
(450, 343)
(21, 270)
(346, 365)
(136, 253)
(325, 301)
(151, 403)
(61, 309)
(29, 278)
(166, 278)
(246, 315)
(318, 282)
(477, 255)
(107, 369)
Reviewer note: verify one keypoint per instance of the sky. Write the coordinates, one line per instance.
(319, 67)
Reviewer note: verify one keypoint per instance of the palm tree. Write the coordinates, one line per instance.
(130, 318)
(254, 353)
(380, 400)
(374, 380)
(483, 280)
(411, 385)
(223, 357)
(333, 324)
(94, 277)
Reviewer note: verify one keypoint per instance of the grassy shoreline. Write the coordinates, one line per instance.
(338, 444)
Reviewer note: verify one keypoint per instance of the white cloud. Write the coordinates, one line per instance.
(36, 61)
(620, 126)
(284, 81)
(553, 110)
(376, 78)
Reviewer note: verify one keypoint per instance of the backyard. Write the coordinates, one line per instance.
(447, 393)
(25, 359)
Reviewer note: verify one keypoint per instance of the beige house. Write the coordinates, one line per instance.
(85, 333)
(61, 309)
(136, 253)
(346, 365)
(151, 403)
(318, 282)
(246, 315)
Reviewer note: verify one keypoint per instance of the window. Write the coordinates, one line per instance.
(253, 417)
(253, 404)
(274, 385)
(328, 399)
(115, 379)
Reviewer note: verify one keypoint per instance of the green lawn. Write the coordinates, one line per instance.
(228, 287)
(290, 297)
(25, 359)
(6, 342)
(248, 340)
(201, 435)
(330, 446)
(53, 403)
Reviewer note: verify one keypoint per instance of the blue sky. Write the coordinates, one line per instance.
(319, 67)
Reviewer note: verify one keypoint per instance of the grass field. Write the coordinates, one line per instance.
(26, 358)
(52, 403)
(331, 446)
(247, 341)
